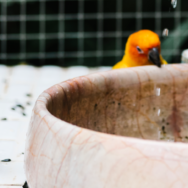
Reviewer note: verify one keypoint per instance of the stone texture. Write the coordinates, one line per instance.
(108, 130)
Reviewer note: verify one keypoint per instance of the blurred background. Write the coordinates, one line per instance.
(86, 32)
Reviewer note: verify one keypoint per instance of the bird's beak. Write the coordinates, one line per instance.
(154, 57)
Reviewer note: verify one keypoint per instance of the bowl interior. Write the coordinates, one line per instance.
(145, 102)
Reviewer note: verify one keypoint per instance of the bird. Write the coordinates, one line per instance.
(142, 48)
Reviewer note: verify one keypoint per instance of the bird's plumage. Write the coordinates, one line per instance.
(142, 48)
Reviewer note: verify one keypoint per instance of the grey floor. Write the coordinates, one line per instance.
(20, 87)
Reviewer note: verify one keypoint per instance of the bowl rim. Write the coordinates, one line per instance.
(41, 105)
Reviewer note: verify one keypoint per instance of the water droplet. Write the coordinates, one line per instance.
(158, 91)
(159, 111)
(174, 3)
(159, 134)
(170, 140)
(165, 32)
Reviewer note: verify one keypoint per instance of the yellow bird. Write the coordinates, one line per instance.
(142, 48)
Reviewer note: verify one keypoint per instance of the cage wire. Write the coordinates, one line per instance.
(84, 32)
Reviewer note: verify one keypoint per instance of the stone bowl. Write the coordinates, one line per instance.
(115, 129)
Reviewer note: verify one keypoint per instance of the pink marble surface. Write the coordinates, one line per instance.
(108, 130)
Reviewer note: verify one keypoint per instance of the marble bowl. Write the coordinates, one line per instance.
(115, 129)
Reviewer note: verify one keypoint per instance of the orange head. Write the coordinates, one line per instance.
(143, 48)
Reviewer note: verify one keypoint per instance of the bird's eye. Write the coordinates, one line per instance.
(139, 50)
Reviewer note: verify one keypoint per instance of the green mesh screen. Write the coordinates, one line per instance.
(84, 32)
